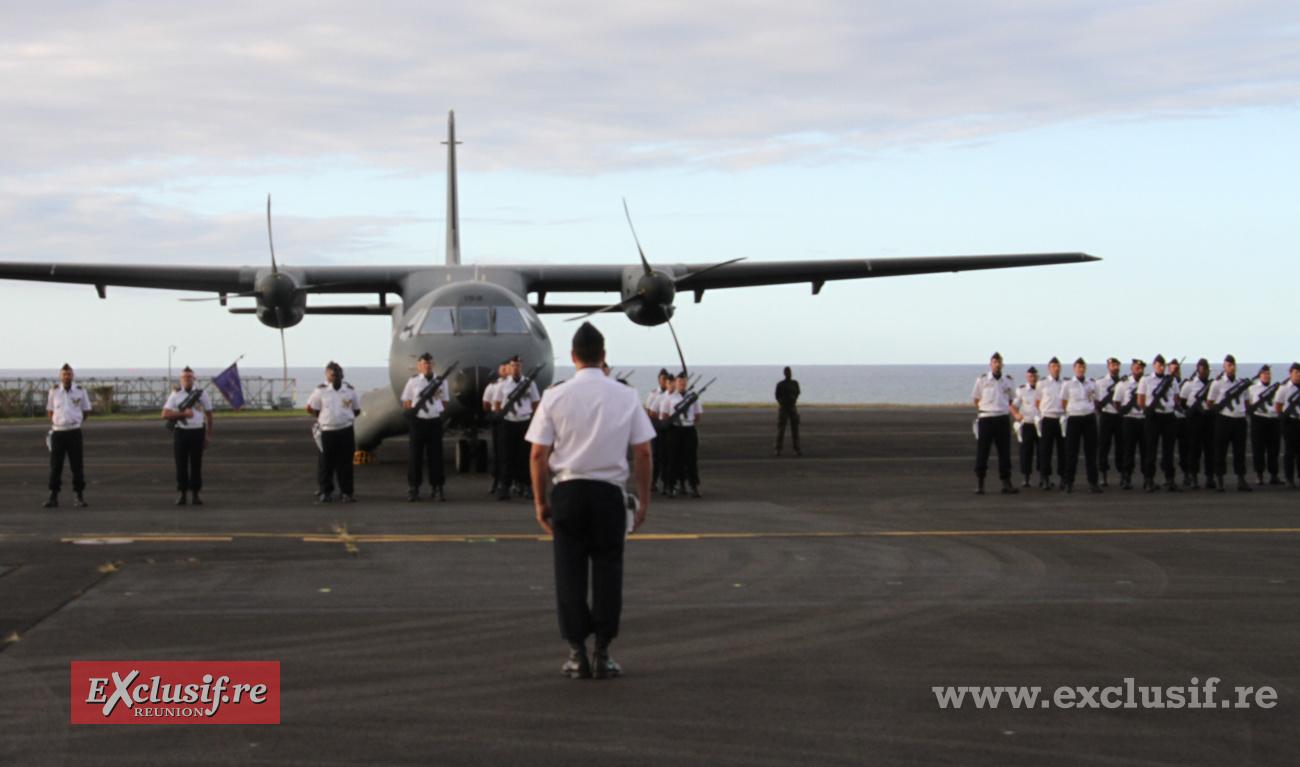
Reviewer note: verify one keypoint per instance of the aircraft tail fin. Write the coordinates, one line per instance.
(453, 204)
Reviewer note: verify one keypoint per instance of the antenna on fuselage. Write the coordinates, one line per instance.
(453, 204)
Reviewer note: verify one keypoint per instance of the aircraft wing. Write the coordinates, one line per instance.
(700, 277)
(211, 279)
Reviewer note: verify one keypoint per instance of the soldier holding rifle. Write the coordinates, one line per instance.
(188, 412)
(423, 400)
(1227, 400)
(1265, 428)
(1157, 397)
(1287, 405)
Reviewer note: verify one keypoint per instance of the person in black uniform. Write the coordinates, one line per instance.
(67, 405)
(426, 432)
(191, 435)
(787, 398)
(581, 432)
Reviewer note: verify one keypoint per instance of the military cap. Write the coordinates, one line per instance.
(1080, 361)
(1295, 365)
(1032, 369)
(1113, 359)
(1203, 363)
(664, 372)
(682, 375)
(426, 357)
(188, 369)
(996, 356)
(1053, 361)
(1231, 359)
(1137, 361)
(1266, 369)
(588, 338)
(66, 366)
(1159, 358)
(336, 367)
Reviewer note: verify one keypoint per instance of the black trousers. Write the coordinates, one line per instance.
(1162, 432)
(66, 444)
(1080, 429)
(1028, 447)
(517, 468)
(1050, 437)
(1265, 442)
(425, 451)
(790, 416)
(590, 523)
(1291, 437)
(683, 456)
(187, 449)
(499, 453)
(1133, 447)
(1110, 438)
(1229, 432)
(1200, 442)
(657, 451)
(1181, 440)
(994, 432)
(337, 448)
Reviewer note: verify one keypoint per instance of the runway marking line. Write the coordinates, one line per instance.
(484, 538)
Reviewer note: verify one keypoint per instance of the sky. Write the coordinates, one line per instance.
(1160, 136)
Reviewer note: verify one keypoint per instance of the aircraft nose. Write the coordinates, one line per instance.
(467, 386)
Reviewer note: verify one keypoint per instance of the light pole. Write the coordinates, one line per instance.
(170, 349)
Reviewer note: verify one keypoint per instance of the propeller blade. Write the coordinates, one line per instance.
(635, 239)
(698, 272)
(620, 305)
(680, 356)
(269, 238)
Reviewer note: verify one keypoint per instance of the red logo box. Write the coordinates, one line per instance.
(176, 692)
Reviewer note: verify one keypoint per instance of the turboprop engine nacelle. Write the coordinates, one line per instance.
(648, 298)
(280, 304)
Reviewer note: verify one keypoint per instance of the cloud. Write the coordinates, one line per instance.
(585, 86)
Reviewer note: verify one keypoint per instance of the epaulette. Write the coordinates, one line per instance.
(322, 386)
(557, 383)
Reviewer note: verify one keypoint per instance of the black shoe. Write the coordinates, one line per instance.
(1242, 485)
(438, 494)
(577, 666)
(52, 502)
(604, 666)
(1187, 480)
(672, 493)
(1105, 481)
(1259, 479)
(1149, 485)
(798, 453)
(195, 500)
(78, 500)
(183, 500)
(413, 495)
(695, 492)
(324, 497)
(654, 487)
(1068, 487)
(776, 453)
(528, 494)
(1026, 482)
(1209, 482)
(979, 486)
(1095, 488)
(1172, 487)
(503, 496)
(1194, 482)
(346, 498)
(1273, 480)
(1008, 488)
(1220, 486)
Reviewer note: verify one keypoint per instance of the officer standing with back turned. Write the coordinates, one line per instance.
(582, 432)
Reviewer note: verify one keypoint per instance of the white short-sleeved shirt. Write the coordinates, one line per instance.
(1148, 386)
(668, 405)
(1049, 397)
(201, 406)
(1259, 389)
(1219, 389)
(1126, 392)
(68, 406)
(652, 400)
(523, 409)
(338, 408)
(589, 422)
(1026, 401)
(1080, 396)
(1283, 399)
(415, 387)
(1192, 389)
(1105, 386)
(994, 394)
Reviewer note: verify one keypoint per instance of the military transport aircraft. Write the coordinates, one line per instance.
(480, 315)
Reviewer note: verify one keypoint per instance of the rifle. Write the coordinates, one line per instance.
(186, 404)
(1238, 389)
(687, 401)
(1292, 403)
(1109, 398)
(430, 391)
(1265, 398)
(623, 378)
(1159, 394)
(1132, 398)
(520, 390)
(1199, 400)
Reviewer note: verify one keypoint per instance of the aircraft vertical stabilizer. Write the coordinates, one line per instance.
(453, 205)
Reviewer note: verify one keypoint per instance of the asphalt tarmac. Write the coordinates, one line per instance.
(800, 613)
